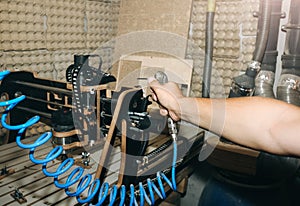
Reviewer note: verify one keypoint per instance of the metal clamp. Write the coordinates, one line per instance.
(18, 195)
(281, 14)
(290, 26)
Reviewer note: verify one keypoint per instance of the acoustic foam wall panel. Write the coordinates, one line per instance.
(65, 24)
(249, 22)
(39, 61)
(227, 29)
(102, 18)
(234, 33)
(22, 25)
(248, 46)
(2, 60)
(43, 36)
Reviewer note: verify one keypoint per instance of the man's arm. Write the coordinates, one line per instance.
(260, 123)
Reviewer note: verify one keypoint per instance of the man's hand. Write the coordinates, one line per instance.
(168, 97)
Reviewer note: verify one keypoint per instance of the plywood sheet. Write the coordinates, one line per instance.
(164, 15)
(177, 70)
(128, 73)
(169, 16)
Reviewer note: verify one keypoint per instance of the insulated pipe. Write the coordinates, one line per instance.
(264, 81)
(293, 43)
(288, 89)
(209, 47)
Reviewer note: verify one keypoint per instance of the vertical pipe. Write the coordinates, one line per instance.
(244, 85)
(293, 36)
(262, 30)
(288, 89)
(209, 47)
(264, 81)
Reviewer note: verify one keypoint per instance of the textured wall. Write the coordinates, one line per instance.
(43, 36)
(22, 25)
(234, 33)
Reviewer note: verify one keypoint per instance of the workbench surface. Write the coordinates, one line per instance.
(39, 189)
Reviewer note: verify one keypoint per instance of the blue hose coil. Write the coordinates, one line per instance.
(76, 175)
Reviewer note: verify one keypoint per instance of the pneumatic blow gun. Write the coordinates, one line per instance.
(162, 78)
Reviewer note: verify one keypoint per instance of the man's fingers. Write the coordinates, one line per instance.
(163, 112)
(153, 82)
(154, 97)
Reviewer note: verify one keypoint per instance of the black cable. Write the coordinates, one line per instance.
(262, 30)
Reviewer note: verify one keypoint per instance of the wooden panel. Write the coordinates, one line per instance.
(177, 69)
(153, 25)
(164, 15)
(128, 73)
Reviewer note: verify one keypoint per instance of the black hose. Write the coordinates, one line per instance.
(276, 15)
(262, 30)
(270, 56)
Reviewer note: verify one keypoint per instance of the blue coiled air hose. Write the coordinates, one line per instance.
(75, 176)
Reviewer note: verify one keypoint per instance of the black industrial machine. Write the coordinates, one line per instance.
(85, 115)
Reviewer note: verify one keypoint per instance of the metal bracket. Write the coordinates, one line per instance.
(18, 195)
(5, 172)
(290, 26)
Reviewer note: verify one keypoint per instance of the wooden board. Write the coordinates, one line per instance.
(159, 25)
(134, 70)
(164, 15)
